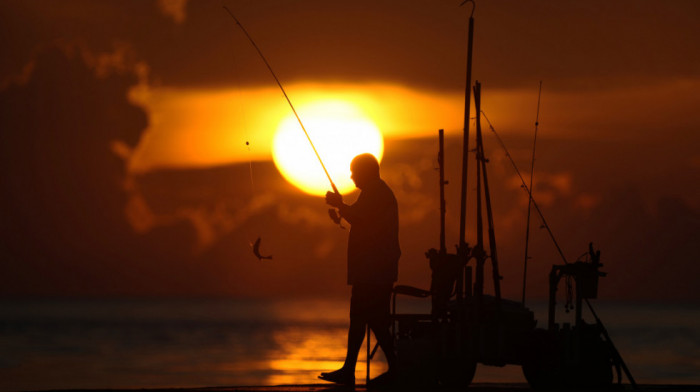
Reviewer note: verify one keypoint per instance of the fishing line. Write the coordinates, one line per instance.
(285, 96)
(250, 166)
(239, 114)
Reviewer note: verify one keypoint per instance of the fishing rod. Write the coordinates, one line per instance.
(335, 189)
(529, 201)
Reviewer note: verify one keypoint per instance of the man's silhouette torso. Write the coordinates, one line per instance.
(373, 244)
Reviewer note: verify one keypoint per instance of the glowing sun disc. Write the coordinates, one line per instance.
(339, 130)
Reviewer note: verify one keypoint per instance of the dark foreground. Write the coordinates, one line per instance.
(490, 387)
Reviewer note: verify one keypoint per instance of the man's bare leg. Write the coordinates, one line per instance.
(346, 374)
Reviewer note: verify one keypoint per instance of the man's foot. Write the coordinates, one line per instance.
(340, 376)
(383, 381)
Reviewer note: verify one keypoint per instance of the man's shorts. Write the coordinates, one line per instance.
(371, 302)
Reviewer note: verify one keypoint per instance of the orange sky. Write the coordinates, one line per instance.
(200, 127)
(174, 90)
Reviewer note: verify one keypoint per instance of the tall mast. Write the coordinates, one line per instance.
(441, 163)
(465, 151)
(479, 251)
(481, 161)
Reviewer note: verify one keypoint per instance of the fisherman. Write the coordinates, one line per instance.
(373, 256)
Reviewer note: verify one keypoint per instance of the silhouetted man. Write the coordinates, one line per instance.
(373, 256)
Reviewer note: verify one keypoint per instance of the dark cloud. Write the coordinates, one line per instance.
(64, 228)
(572, 45)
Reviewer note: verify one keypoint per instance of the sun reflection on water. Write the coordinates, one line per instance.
(301, 355)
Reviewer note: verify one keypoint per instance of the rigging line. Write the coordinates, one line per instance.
(285, 96)
(529, 201)
(529, 192)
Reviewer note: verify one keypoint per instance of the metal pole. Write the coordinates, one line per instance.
(615, 353)
(487, 199)
(479, 247)
(465, 141)
(462, 248)
(441, 163)
(368, 356)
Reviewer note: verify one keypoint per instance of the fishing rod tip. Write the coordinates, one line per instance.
(473, 6)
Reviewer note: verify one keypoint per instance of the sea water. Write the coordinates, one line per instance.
(146, 343)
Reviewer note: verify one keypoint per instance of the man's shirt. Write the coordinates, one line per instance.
(373, 245)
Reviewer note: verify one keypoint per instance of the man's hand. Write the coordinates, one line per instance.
(334, 199)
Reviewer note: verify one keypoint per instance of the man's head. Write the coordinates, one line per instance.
(365, 170)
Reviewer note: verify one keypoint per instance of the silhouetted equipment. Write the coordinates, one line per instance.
(466, 326)
(616, 358)
(566, 355)
(256, 250)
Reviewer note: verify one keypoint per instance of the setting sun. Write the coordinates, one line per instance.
(339, 130)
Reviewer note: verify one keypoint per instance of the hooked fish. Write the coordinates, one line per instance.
(256, 250)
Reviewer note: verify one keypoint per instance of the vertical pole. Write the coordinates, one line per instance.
(368, 356)
(579, 300)
(441, 163)
(465, 153)
(487, 199)
(553, 283)
(578, 319)
(479, 247)
(468, 289)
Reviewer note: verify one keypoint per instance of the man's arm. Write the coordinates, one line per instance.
(336, 200)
